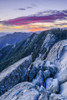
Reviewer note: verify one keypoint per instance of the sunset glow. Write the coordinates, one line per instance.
(32, 16)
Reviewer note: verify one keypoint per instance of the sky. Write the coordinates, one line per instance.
(32, 15)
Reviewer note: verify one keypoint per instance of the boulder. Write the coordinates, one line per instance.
(41, 89)
(46, 74)
(39, 80)
(44, 95)
(22, 91)
(54, 96)
(34, 68)
(42, 65)
(51, 67)
(62, 75)
(64, 90)
(52, 85)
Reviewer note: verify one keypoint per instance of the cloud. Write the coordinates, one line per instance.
(65, 11)
(37, 29)
(50, 12)
(21, 9)
(29, 7)
(51, 16)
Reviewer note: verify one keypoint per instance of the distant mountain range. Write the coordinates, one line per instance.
(3, 33)
(11, 39)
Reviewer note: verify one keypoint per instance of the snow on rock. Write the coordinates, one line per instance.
(37, 62)
(32, 72)
(34, 68)
(14, 74)
(46, 74)
(22, 91)
(54, 96)
(62, 75)
(50, 73)
(51, 67)
(52, 85)
(41, 89)
(50, 39)
(44, 95)
(64, 90)
(58, 54)
(39, 80)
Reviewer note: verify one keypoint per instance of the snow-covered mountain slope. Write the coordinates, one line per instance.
(22, 91)
(14, 74)
(44, 78)
(11, 54)
(58, 53)
(36, 45)
(44, 75)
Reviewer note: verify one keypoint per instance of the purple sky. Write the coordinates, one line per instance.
(24, 15)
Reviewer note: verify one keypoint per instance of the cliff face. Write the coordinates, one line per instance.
(44, 78)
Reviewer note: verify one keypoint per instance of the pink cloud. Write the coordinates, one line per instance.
(35, 19)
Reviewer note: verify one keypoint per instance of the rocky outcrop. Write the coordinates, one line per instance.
(44, 95)
(62, 75)
(14, 74)
(39, 80)
(49, 41)
(54, 96)
(52, 85)
(58, 54)
(46, 74)
(33, 70)
(51, 67)
(37, 73)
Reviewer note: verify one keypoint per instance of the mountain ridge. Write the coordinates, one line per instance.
(43, 68)
(11, 39)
